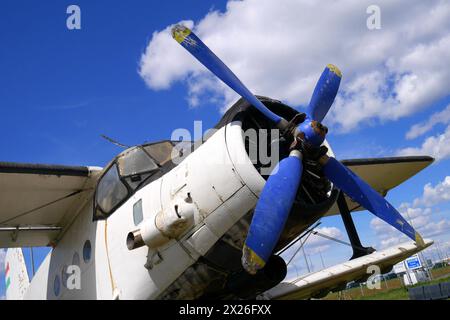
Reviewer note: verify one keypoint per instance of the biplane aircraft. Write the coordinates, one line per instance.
(165, 220)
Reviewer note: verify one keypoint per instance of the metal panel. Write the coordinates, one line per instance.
(202, 240)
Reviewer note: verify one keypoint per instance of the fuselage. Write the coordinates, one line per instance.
(220, 181)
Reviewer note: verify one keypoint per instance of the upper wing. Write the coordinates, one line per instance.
(383, 174)
(319, 283)
(37, 201)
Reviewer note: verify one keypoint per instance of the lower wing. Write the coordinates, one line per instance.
(319, 283)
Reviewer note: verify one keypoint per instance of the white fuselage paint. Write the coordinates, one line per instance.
(224, 186)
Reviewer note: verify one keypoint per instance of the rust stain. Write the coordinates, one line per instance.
(113, 285)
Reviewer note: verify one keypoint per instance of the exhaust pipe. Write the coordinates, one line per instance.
(164, 226)
(134, 240)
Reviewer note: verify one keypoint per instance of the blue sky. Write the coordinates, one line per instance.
(61, 89)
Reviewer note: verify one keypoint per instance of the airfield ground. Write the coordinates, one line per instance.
(392, 289)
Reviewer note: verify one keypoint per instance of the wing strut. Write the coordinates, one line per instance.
(358, 249)
(42, 206)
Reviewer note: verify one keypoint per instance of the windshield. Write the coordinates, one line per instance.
(110, 190)
(128, 172)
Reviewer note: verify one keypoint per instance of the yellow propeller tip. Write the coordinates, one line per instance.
(251, 261)
(180, 32)
(335, 70)
(419, 240)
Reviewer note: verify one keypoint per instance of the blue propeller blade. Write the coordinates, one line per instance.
(199, 50)
(271, 212)
(361, 192)
(324, 93)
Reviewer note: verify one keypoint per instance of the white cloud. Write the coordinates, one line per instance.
(388, 235)
(280, 49)
(413, 212)
(442, 117)
(392, 241)
(435, 195)
(432, 229)
(437, 251)
(436, 146)
(163, 62)
(425, 225)
(380, 226)
(440, 248)
(419, 214)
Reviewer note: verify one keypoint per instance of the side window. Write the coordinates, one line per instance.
(110, 190)
(137, 212)
(56, 286)
(87, 251)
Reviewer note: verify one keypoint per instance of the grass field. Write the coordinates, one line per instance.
(390, 290)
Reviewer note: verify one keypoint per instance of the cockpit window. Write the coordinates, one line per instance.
(110, 190)
(131, 169)
(161, 152)
(135, 161)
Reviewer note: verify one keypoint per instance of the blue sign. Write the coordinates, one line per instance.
(413, 263)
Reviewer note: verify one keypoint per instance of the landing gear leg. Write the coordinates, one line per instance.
(358, 249)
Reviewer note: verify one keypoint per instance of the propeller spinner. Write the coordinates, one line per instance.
(278, 194)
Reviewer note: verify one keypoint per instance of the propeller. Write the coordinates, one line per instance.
(271, 212)
(279, 192)
(324, 93)
(199, 50)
